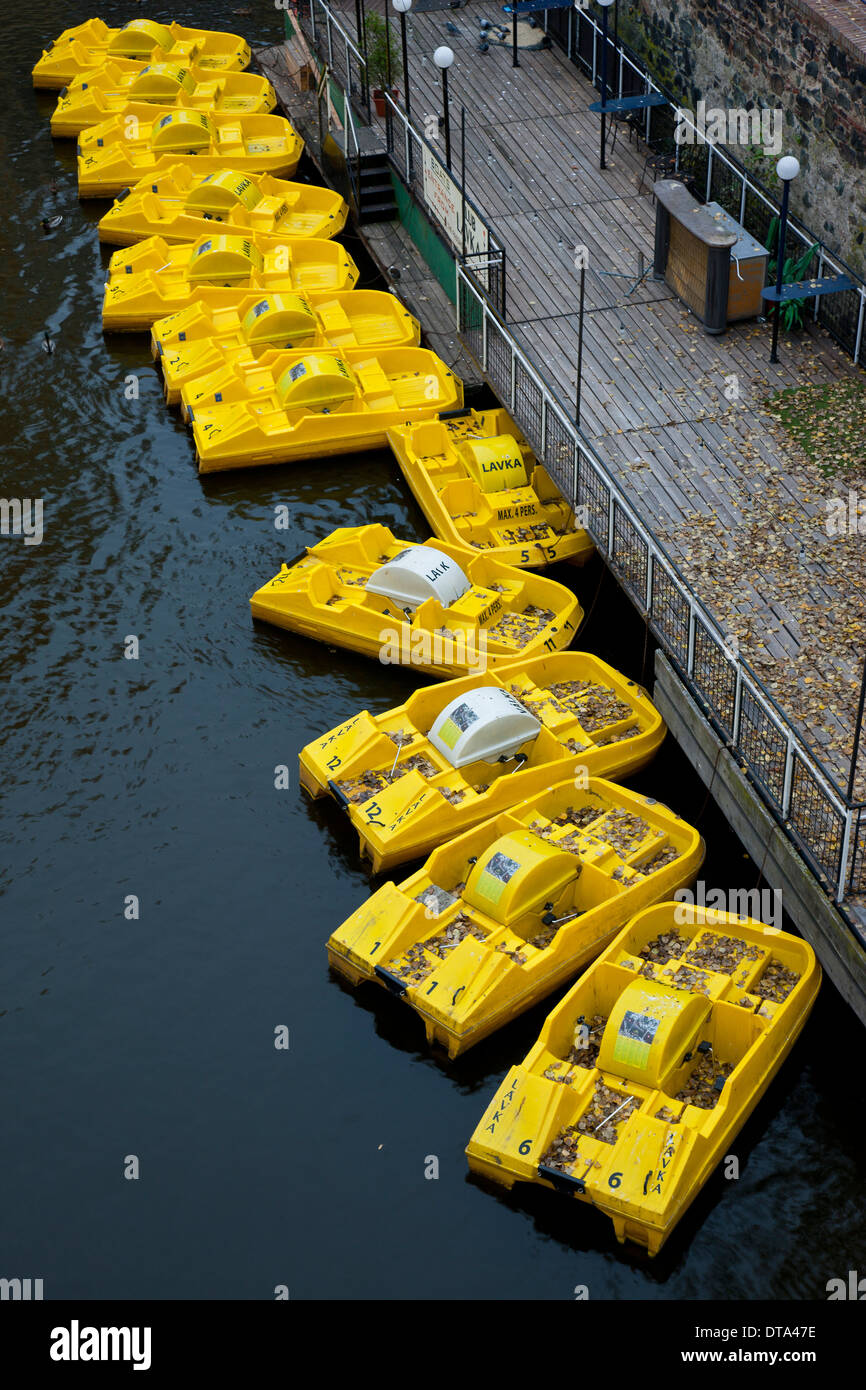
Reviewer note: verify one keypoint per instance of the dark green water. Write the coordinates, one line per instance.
(155, 1037)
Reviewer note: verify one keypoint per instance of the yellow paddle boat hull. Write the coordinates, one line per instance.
(183, 205)
(122, 150)
(389, 773)
(647, 1070)
(479, 484)
(125, 88)
(90, 45)
(202, 339)
(327, 595)
(148, 281)
(503, 914)
(301, 405)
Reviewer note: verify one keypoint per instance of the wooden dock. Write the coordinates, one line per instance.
(737, 505)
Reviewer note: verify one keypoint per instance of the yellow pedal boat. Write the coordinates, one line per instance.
(182, 205)
(126, 88)
(459, 752)
(499, 917)
(432, 606)
(479, 484)
(115, 154)
(148, 281)
(90, 45)
(646, 1071)
(202, 339)
(303, 405)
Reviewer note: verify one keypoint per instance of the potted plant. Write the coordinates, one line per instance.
(378, 40)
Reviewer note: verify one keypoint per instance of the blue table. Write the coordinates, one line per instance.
(635, 103)
(808, 289)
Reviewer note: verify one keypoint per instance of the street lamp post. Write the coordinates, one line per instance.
(605, 6)
(579, 383)
(443, 58)
(787, 168)
(403, 7)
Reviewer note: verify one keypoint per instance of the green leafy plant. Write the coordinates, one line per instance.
(379, 39)
(791, 311)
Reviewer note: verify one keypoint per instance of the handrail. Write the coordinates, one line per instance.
(842, 820)
(717, 151)
(410, 132)
(658, 560)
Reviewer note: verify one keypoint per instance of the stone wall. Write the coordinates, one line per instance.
(805, 57)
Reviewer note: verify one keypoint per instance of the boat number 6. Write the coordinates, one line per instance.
(614, 1180)
(525, 1146)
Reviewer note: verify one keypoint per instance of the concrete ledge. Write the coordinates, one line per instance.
(837, 945)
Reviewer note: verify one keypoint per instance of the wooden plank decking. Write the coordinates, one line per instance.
(736, 504)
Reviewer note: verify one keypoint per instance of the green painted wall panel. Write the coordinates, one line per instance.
(438, 256)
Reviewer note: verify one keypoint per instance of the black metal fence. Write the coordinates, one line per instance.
(714, 173)
(797, 789)
(470, 238)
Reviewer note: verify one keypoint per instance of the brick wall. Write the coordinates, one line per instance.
(805, 57)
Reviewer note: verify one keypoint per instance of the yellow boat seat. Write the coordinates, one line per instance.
(650, 1029)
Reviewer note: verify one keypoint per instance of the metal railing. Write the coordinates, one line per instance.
(473, 241)
(798, 789)
(336, 45)
(715, 174)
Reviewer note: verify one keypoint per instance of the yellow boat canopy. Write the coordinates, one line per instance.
(281, 318)
(161, 82)
(220, 192)
(139, 38)
(517, 872)
(223, 258)
(182, 131)
(316, 382)
(649, 1031)
(496, 463)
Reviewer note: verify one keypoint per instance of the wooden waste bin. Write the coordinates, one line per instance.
(748, 268)
(707, 259)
